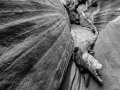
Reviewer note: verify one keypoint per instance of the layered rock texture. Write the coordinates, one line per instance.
(73, 79)
(108, 11)
(107, 50)
(106, 19)
(35, 44)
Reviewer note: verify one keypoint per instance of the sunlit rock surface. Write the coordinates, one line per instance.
(107, 51)
(107, 48)
(107, 11)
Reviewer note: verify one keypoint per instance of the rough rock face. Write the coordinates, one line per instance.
(107, 46)
(35, 44)
(74, 79)
(107, 50)
(108, 11)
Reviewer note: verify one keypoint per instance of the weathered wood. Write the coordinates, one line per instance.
(83, 39)
(90, 63)
(35, 44)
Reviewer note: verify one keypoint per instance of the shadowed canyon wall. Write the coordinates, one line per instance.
(35, 44)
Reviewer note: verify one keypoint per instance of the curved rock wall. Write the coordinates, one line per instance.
(108, 11)
(107, 51)
(35, 44)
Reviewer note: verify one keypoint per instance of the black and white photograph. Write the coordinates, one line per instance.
(59, 44)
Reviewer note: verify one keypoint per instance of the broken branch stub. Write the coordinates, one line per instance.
(90, 63)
